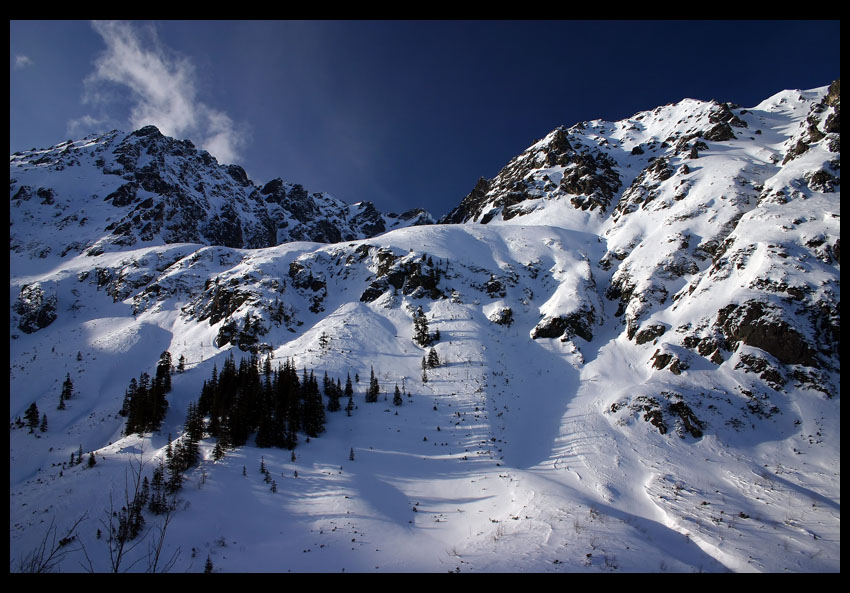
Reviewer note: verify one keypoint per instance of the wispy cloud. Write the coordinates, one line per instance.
(22, 62)
(163, 91)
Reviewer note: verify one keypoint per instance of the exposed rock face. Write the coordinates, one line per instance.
(566, 327)
(649, 333)
(758, 325)
(557, 166)
(410, 275)
(36, 309)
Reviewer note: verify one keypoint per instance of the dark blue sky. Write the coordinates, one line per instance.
(404, 114)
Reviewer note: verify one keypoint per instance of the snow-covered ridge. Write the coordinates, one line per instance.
(159, 191)
(640, 353)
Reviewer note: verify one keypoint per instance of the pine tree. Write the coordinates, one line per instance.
(67, 389)
(351, 454)
(420, 328)
(175, 469)
(32, 416)
(144, 495)
(349, 391)
(91, 460)
(333, 393)
(181, 364)
(397, 397)
(433, 359)
(129, 394)
(194, 432)
(314, 410)
(374, 389)
(218, 452)
(208, 566)
(158, 502)
(158, 405)
(43, 426)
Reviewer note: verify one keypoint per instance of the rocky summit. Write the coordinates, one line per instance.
(621, 353)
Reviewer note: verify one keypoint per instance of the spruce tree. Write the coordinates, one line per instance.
(333, 393)
(194, 432)
(32, 416)
(374, 389)
(67, 389)
(43, 426)
(157, 503)
(397, 397)
(314, 410)
(420, 328)
(129, 394)
(175, 469)
(433, 359)
(208, 566)
(349, 390)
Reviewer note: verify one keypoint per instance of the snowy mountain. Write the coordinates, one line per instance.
(164, 191)
(636, 328)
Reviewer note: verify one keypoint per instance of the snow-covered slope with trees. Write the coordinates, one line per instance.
(631, 365)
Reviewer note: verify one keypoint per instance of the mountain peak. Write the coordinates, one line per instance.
(160, 191)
